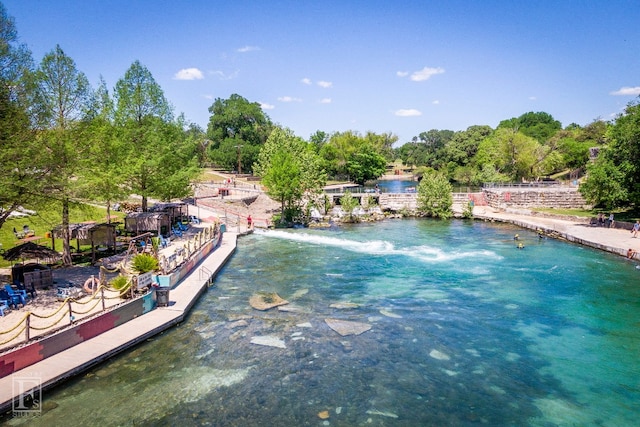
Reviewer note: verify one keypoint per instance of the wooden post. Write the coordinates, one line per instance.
(102, 296)
(70, 313)
(27, 328)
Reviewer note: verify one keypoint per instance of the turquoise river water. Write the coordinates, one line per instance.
(466, 329)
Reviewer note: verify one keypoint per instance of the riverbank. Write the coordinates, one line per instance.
(74, 360)
(614, 240)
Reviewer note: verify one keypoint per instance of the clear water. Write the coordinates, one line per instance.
(466, 330)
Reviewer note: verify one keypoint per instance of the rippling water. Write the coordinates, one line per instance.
(466, 330)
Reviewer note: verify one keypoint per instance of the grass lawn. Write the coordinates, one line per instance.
(45, 220)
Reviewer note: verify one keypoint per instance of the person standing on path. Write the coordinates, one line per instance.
(636, 228)
(611, 220)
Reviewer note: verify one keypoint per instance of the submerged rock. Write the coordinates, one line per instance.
(345, 327)
(266, 300)
(388, 313)
(344, 305)
(269, 341)
(438, 355)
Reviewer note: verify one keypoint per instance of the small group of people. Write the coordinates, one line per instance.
(603, 221)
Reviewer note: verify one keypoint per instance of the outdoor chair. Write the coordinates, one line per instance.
(4, 305)
(14, 298)
(181, 226)
(164, 242)
(194, 219)
(176, 231)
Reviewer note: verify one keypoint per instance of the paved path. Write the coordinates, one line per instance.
(614, 240)
(90, 353)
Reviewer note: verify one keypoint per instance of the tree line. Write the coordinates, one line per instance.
(64, 141)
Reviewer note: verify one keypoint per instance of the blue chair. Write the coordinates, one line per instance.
(176, 231)
(15, 298)
(181, 226)
(4, 305)
(164, 242)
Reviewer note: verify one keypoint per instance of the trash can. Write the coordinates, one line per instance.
(162, 296)
(223, 228)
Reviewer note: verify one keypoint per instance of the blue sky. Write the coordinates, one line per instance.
(384, 66)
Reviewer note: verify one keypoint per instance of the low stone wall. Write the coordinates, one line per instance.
(530, 197)
(398, 201)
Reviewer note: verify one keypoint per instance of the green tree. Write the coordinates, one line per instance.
(434, 196)
(614, 179)
(541, 126)
(237, 129)
(512, 153)
(21, 165)
(365, 164)
(348, 155)
(159, 160)
(103, 179)
(62, 98)
(349, 204)
(604, 186)
(291, 171)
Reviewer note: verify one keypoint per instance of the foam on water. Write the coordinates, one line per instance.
(423, 253)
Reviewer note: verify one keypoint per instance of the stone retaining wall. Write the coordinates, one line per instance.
(530, 197)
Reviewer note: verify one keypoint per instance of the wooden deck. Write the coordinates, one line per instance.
(52, 370)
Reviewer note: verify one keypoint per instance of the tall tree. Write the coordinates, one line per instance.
(20, 158)
(614, 179)
(237, 129)
(540, 125)
(290, 170)
(61, 101)
(103, 178)
(157, 163)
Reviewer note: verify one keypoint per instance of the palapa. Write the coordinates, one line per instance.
(31, 250)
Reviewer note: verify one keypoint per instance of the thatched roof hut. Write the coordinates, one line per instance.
(88, 233)
(140, 222)
(31, 250)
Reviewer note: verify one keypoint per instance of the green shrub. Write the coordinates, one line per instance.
(143, 263)
(119, 282)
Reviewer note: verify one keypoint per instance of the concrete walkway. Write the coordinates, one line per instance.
(614, 240)
(83, 356)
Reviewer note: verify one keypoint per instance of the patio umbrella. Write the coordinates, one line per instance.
(30, 250)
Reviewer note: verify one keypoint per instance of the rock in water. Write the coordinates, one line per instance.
(266, 300)
(269, 341)
(345, 327)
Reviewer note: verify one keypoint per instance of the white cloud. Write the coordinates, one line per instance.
(627, 91)
(306, 81)
(402, 73)
(289, 99)
(266, 106)
(189, 74)
(425, 73)
(207, 96)
(533, 98)
(246, 49)
(411, 112)
(435, 102)
(324, 84)
(223, 76)
(325, 101)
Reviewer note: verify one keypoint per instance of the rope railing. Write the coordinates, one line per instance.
(70, 307)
